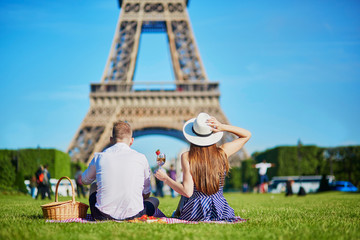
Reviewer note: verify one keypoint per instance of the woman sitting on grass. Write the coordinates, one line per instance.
(204, 167)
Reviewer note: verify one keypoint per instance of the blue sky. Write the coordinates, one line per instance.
(288, 70)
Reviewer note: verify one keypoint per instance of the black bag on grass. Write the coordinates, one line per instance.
(301, 192)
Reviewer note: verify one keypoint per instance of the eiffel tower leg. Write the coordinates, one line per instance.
(184, 52)
(174, 54)
(84, 141)
(122, 58)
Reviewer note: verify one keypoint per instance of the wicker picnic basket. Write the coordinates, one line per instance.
(64, 210)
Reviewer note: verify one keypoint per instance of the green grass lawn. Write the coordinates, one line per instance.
(332, 215)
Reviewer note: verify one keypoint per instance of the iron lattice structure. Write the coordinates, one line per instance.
(157, 107)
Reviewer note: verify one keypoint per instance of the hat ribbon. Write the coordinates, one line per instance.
(200, 135)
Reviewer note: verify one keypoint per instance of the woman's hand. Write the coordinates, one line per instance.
(215, 125)
(161, 175)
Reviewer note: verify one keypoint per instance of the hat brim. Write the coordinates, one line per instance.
(199, 140)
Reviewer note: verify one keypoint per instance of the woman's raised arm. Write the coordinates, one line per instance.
(231, 147)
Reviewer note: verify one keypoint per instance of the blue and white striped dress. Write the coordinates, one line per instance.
(203, 207)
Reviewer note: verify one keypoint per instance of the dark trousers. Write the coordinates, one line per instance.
(39, 191)
(159, 189)
(149, 210)
(46, 191)
(263, 178)
(42, 191)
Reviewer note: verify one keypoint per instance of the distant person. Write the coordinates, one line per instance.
(302, 191)
(46, 182)
(289, 191)
(33, 186)
(205, 166)
(39, 174)
(245, 187)
(79, 185)
(263, 178)
(122, 175)
(256, 188)
(172, 175)
(159, 188)
(324, 184)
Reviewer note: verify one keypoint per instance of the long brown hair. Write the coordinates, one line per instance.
(208, 167)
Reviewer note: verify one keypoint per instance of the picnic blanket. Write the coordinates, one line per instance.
(159, 217)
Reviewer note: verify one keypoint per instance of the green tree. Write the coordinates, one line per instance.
(19, 182)
(344, 162)
(7, 169)
(248, 173)
(233, 179)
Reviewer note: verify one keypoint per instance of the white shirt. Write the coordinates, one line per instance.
(122, 176)
(263, 167)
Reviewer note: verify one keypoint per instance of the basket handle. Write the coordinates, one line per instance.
(72, 188)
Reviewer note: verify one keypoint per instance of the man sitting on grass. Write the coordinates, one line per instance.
(122, 187)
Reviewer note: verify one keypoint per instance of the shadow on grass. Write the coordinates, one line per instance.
(33, 216)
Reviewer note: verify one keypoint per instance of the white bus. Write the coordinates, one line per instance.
(310, 184)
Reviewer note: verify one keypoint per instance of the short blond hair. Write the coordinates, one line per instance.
(121, 130)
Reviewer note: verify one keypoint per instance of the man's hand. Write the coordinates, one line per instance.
(145, 196)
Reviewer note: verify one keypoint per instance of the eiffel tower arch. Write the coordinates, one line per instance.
(150, 107)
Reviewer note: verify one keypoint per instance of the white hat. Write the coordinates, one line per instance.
(198, 132)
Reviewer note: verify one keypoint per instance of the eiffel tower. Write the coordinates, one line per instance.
(155, 107)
